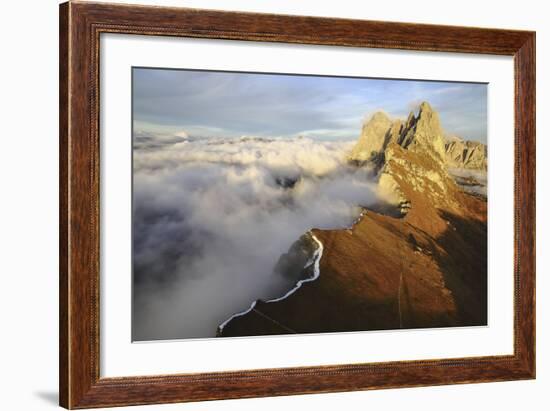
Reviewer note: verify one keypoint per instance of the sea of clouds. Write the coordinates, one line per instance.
(211, 217)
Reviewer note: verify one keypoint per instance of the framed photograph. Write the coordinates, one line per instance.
(259, 205)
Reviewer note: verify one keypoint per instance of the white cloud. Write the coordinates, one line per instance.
(212, 217)
(182, 134)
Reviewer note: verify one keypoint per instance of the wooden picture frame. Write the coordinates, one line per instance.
(80, 27)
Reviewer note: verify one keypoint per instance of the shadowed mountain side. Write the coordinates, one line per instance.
(385, 274)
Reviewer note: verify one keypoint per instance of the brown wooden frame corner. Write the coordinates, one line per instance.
(81, 24)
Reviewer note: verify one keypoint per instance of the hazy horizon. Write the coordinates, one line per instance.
(234, 104)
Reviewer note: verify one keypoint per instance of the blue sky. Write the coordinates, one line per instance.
(218, 104)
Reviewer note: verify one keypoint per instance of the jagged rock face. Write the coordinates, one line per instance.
(417, 179)
(411, 157)
(424, 134)
(421, 134)
(373, 138)
(395, 131)
(466, 154)
(452, 137)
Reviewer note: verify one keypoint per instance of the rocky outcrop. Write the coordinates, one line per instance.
(420, 133)
(424, 134)
(381, 139)
(415, 161)
(407, 174)
(470, 155)
(373, 139)
(295, 263)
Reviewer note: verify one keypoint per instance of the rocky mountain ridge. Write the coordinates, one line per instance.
(423, 267)
(422, 132)
(466, 154)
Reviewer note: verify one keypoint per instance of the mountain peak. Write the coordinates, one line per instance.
(420, 134)
(373, 137)
(379, 116)
(425, 108)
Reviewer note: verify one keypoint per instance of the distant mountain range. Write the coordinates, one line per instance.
(417, 261)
